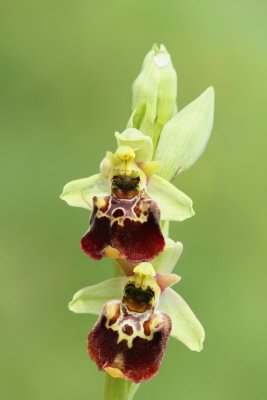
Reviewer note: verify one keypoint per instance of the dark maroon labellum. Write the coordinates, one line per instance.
(124, 228)
(132, 346)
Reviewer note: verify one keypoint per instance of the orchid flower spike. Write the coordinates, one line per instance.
(131, 201)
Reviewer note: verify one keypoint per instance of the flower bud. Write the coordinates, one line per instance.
(154, 93)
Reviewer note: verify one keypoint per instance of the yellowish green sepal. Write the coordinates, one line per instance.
(184, 138)
(91, 300)
(166, 261)
(80, 193)
(185, 325)
(174, 205)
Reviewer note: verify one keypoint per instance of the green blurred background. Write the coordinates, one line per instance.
(66, 69)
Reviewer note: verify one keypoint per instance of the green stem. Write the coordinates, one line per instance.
(119, 389)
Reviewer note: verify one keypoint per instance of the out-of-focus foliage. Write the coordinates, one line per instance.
(66, 69)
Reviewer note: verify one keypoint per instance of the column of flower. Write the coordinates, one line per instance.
(132, 201)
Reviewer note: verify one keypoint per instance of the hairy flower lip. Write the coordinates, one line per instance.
(132, 345)
(127, 233)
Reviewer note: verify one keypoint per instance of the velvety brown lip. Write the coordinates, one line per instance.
(138, 363)
(129, 226)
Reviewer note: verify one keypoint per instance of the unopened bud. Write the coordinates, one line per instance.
(154, 94)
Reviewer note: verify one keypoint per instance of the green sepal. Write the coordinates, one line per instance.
(185, 325)
(91, 300)
(80, 193)
(174, 205)
(166, 261)
(184, 138)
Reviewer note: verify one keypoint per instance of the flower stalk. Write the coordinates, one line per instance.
(119, 389)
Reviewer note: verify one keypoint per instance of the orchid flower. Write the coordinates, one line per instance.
(137, 315)
(127, 200)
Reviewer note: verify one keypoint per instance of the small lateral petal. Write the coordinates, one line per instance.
(149, 168)
(167, 280)
(91, 299)
(185, 325)
(174, 205)
(80, 193)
